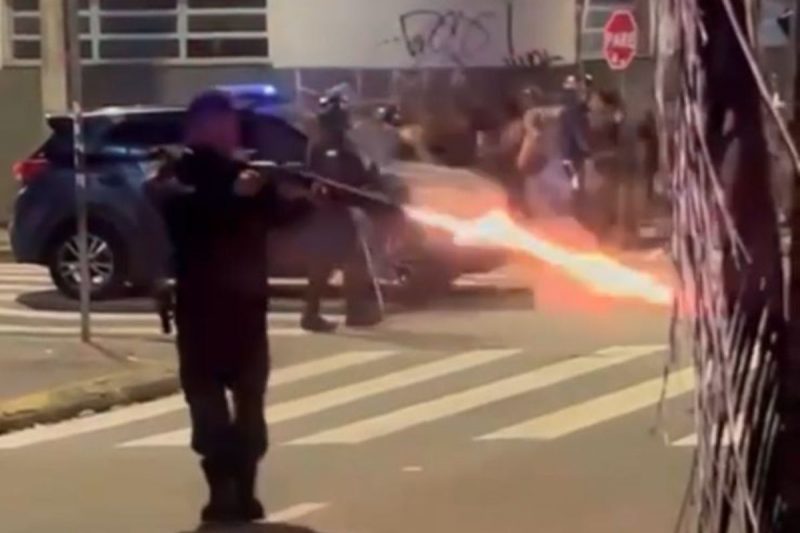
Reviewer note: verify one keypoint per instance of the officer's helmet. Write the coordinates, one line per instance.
(388, 114)
(333, 113)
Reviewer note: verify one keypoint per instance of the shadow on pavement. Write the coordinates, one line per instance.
(253, 528)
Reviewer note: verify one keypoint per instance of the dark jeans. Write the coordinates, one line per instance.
(215, 360)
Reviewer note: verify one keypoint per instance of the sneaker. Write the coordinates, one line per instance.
(318, 324)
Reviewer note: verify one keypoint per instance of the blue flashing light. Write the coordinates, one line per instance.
(254, 94)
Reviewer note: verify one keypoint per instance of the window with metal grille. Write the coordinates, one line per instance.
(183, 31)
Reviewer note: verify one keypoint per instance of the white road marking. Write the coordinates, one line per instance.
(136, 413)
(728, 439)
(344, 395)
(90, 424)
(29, 270)
(18, 290)
(133, 317)
(328, 365)
(596, 411)
(25, 278)
(296, 512)
(103, 331)
(393, 422)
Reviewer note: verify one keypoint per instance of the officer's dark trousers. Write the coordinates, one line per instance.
(334, 244)
(222, 347)
(359, 292)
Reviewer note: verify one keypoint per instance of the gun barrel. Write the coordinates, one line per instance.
(372, 196)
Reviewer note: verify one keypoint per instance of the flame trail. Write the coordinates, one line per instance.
(601, 273)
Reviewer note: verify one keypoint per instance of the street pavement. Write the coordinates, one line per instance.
(489, 412)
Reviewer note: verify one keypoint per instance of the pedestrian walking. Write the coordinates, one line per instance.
(218, 214)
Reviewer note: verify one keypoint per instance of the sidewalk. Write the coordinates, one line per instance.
(48, 380)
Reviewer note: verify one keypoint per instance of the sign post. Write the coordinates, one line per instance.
(72, 48)
(620, 43)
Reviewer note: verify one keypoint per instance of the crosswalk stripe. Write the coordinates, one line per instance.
(320, 367)
(80, 426)
(585, 415)
(344, 395)
(21, 289)
(296, 512)
(25, 278)
(136, 413)
(393, 422)
(132, 317)
(728, 438)
(103, 331)
(17, 268)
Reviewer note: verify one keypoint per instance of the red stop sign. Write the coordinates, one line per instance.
(620, 39)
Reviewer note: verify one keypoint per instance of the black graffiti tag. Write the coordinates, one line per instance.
(451, 35)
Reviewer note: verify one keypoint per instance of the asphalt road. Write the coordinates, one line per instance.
(483, 414)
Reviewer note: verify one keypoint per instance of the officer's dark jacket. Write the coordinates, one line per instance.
(340, 163)
(219, 239)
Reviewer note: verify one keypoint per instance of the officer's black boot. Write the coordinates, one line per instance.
(249, 508)
(221, 506)
(362, 310)
(313, 320)
(316, 323)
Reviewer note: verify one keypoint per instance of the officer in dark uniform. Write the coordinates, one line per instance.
(218, 214)
(334, 240)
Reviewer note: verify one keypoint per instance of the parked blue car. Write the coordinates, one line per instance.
(128, 248)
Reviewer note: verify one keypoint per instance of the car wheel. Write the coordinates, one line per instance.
(107, 266)
(422, 281)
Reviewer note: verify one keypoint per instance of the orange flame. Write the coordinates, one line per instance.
(601, 273)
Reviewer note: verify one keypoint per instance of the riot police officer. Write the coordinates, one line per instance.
(334, 240)
(218, 214)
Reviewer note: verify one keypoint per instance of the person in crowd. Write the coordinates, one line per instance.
(575, 147)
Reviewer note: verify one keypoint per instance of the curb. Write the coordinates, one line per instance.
(97, 395)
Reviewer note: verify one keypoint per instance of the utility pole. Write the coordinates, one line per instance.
(54, 80)
(75, 77)
(62, 88)
(787, 476)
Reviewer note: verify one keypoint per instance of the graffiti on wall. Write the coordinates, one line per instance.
(450, 36)
(459, 38)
